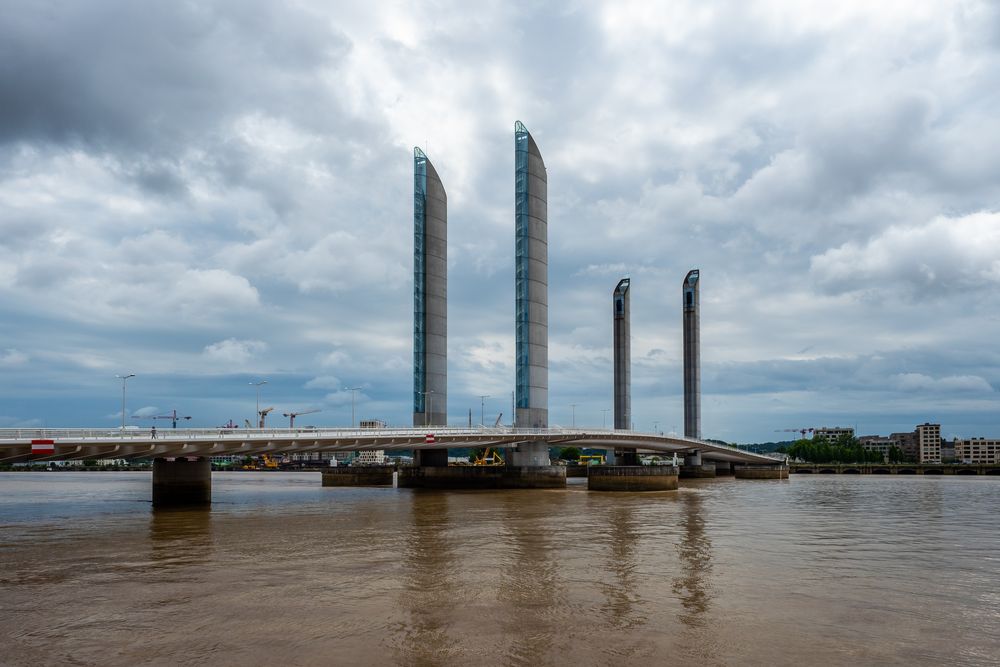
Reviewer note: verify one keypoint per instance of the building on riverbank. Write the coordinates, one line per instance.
(978, 450)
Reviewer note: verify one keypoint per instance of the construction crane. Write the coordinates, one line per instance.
(292, 415)
(173, 416)
(490, 457)
(801, 431)
(263, 415)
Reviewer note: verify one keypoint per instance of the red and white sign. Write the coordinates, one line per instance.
(429, 439)
(43, 446)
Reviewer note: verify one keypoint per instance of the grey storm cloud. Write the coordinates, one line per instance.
(208, 193)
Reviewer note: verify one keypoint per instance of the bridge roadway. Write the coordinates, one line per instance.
(70, 444)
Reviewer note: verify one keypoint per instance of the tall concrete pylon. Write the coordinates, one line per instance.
(692, 355)
(623, 354)
(622, 323)
(531, 286)
(430, 303)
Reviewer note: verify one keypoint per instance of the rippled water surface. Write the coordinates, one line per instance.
(815, 570)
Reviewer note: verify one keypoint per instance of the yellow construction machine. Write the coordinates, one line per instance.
(489, 457)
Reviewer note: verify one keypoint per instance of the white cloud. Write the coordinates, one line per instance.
(943, 256)
(947, 384)
(12, 357)
(233, 351)
(324, 382)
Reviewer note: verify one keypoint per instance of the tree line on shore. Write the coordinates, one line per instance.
(845, 449)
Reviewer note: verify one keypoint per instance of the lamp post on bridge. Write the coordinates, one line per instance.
(604, 423)
(573, 405)
(256, 418)
(482, 409)
(353, 391)
(124, 379)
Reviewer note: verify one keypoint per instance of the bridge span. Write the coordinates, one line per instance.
(70, 444)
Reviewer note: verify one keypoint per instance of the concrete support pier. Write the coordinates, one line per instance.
(626, 457)
(693, 467)
(483, 477)
(435, 458)
(723, 468)
(632, 478)
(777, 471)
(182, 482)
(359, 476)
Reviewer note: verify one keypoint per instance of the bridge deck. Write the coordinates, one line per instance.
(16, 444)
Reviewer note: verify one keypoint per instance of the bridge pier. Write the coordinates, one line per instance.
(693, 467)
(723, 468)
(432, 458)
(632, 478)
(778, 471)
(530, 454)
(626, 457)
(482, 477)
(182, 482)
(359, 476)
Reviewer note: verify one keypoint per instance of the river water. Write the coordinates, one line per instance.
(815, 570)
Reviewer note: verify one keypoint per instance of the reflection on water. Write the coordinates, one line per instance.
(428, 594)
(694, 587)
(530, 587)
(180, 537)
(819, 571)
(695, 550)
(624, 604)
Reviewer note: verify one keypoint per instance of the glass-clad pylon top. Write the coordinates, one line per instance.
(519, 127)
(419, 154)
(689, 285)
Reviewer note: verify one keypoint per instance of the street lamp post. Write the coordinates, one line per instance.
(258, 384)
(482, 409)
(124, 378)
(655, 424)
(604, 422)
(573, 405)
(353, 391)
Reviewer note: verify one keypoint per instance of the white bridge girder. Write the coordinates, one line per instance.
(16, 444)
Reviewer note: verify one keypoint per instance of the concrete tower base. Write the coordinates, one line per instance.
(182, 482)
(632, 478)
(483, 477)
(530, 454)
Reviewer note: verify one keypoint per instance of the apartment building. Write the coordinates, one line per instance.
(831, 433)
(978, 450)
(928, 443)
(879, 443)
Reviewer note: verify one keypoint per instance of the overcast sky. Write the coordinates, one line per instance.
(209, 194)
